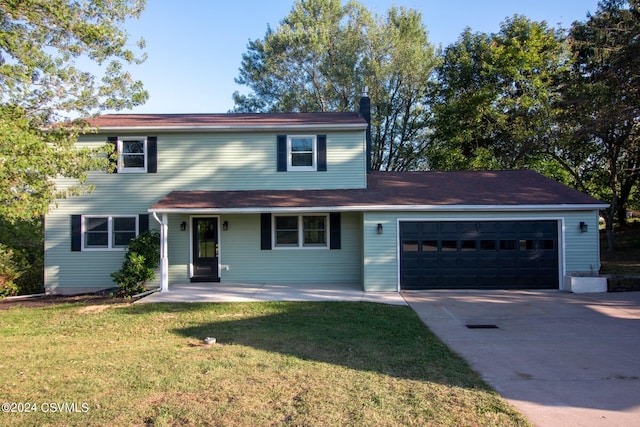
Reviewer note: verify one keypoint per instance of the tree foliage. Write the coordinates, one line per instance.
(600, 138)
(322, 57)
(493, 101)
(21, 257)
(49, 51)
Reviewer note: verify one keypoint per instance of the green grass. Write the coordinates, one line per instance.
(298, 364)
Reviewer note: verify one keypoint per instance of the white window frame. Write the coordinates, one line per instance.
(314, 153)
(121, 167)
(110, 240)
(301, 244)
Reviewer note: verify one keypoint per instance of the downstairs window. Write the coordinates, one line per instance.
(300, 231)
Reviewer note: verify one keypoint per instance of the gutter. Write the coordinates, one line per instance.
(229, 128)
(384, 208)
(21, 297)
(144, 294)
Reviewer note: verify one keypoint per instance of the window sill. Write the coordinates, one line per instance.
(305, 248)
(127, 170)
(104, 249)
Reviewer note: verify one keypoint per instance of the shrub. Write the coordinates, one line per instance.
(9, 272)
(140, 262)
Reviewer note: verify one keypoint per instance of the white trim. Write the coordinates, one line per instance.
(164, 253)
(110, 247)
(191, 217)
(314, 154)
(386, 208)
(300, 229)
(121, 167)
(562, 267)
(231, 128)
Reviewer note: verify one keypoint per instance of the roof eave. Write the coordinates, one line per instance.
(386, 208)
(232, 128)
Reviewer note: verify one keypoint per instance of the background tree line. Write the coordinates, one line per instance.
(563, 102)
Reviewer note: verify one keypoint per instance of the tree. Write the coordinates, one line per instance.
(400, 63)
(601, 138)
(42, 86)
(323, 56)
(493, 101)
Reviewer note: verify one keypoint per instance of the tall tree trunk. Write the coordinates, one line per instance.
(608, 215)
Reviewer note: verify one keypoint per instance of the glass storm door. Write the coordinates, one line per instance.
(205, 250)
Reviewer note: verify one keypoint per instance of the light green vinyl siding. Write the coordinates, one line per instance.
(84, 271)
(582, 249)
(248, 161)
(193, 161)
(579, 252)
(240, 251)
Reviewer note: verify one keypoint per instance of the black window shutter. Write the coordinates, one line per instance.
(265, 231)
(143, 223)
(282, 153)
(152, 154)
(322, 153)
(76, 233)
(334, 230)
(113, 160)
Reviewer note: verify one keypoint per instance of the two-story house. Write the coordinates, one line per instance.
(287, 198)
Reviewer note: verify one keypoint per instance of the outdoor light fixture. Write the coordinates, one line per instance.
(225, 225)
(583, 227)
(379, 228)
(183, 226)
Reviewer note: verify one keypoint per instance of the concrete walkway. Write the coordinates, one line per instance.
(241, 292)
(561, 359)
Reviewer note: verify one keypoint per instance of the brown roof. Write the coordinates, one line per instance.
(402, 189)
(241, 120)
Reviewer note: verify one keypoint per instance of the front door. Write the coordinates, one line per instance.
(205, 250)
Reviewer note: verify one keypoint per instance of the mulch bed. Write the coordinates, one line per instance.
(50, 300)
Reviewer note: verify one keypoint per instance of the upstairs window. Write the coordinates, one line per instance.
(136, 154)
(132, 155)
(301, 153)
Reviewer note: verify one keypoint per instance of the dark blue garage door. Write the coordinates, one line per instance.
(479, 255)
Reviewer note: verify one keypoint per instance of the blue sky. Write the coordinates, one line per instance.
(195, 47)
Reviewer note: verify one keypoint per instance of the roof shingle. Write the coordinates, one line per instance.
(241, 120)
(402, 189)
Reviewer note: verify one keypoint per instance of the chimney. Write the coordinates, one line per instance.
(365, 113)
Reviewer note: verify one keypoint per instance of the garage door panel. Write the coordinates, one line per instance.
(449, 227)
(469, 262)
(409, 228)
(430, 263)
(508, 227)
(448, 263)
(429, 227)
(467, 281)
(479, 254)
(486, 227)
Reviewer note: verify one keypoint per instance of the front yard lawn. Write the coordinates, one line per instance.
(295, 363)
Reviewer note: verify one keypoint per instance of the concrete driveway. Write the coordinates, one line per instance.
(561, 359)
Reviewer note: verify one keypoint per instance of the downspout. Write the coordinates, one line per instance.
(164, 258)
